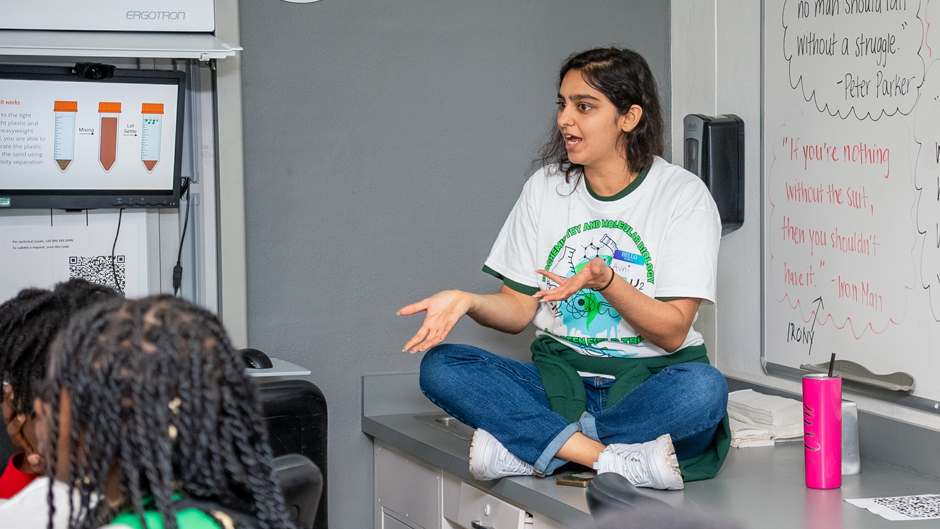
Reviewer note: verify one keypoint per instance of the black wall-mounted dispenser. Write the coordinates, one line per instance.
(714, 150)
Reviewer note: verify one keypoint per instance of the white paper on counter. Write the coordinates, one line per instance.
(901, 508)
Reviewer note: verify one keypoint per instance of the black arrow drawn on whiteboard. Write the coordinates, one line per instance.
(815, 316)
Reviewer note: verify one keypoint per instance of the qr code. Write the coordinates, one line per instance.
(913, 506)
(98, 270)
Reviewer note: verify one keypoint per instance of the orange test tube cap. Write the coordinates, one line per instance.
(152, 108)
(109, 108)
(66, 106)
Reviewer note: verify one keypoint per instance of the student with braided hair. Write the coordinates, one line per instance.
(147, 412)
(28, 324)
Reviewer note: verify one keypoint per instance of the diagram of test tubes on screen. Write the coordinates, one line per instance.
(150, 132)
(109, 116)
(109, 128)
(64, 138)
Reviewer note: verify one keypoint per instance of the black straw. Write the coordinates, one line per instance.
(832, 362)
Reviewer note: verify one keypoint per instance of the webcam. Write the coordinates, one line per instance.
(93, 72)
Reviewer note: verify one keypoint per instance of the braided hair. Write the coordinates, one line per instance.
(28, 324)
(158, 396)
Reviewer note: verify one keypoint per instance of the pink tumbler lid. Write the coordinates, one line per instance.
(820, 376)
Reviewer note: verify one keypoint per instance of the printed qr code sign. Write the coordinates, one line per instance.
(912, 506)
(98, 270)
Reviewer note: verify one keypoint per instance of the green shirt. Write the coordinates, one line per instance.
(191, 518)
(558, 366)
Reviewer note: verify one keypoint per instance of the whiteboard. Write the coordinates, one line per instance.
(851, 186)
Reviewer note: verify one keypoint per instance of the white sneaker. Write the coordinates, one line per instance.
(652, 464)
(489, 459)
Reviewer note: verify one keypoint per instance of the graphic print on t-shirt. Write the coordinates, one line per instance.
(586, 319)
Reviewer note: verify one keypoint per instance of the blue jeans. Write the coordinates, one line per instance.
(505, 397)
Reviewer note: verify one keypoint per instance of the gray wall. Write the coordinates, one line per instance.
(385, 143)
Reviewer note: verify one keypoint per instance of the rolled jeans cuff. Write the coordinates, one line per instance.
(547, 462)
(588, 426)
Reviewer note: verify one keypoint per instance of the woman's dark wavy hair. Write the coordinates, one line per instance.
(28, 324)
(158, 393)
(624, 77)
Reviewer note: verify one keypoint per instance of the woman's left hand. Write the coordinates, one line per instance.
(596, 274)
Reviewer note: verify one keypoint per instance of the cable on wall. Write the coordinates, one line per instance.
(178, 269)
(117, 285)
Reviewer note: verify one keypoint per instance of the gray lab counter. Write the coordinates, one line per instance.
(759, 488)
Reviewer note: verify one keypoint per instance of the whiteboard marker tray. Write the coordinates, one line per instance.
(853, 372)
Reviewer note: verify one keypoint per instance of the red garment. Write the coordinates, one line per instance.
(13, 480)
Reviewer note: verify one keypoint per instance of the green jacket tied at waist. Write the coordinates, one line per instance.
(558, 366)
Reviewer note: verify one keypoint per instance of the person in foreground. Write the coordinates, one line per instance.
(148, 419)
(28, 324)
(609, 252)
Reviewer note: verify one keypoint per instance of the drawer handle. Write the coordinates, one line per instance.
(475, 524)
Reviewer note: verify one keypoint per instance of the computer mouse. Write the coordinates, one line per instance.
(255, 359)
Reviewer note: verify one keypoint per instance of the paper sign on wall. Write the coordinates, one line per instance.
(40, 256)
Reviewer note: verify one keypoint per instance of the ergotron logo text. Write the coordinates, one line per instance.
(156, 15)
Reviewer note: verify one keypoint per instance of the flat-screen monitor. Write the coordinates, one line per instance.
(90, 136)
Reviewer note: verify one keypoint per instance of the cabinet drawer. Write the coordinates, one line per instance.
(479, 509)
(407, 489)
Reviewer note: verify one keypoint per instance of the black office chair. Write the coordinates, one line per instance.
(295, 414)
(616, 504)
(302, 483)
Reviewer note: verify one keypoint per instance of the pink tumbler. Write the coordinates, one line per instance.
(822, 430)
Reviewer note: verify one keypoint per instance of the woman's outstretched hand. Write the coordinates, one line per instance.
(443, 309)
(596, 274)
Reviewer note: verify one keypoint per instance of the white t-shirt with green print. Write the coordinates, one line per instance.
(661, 234)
